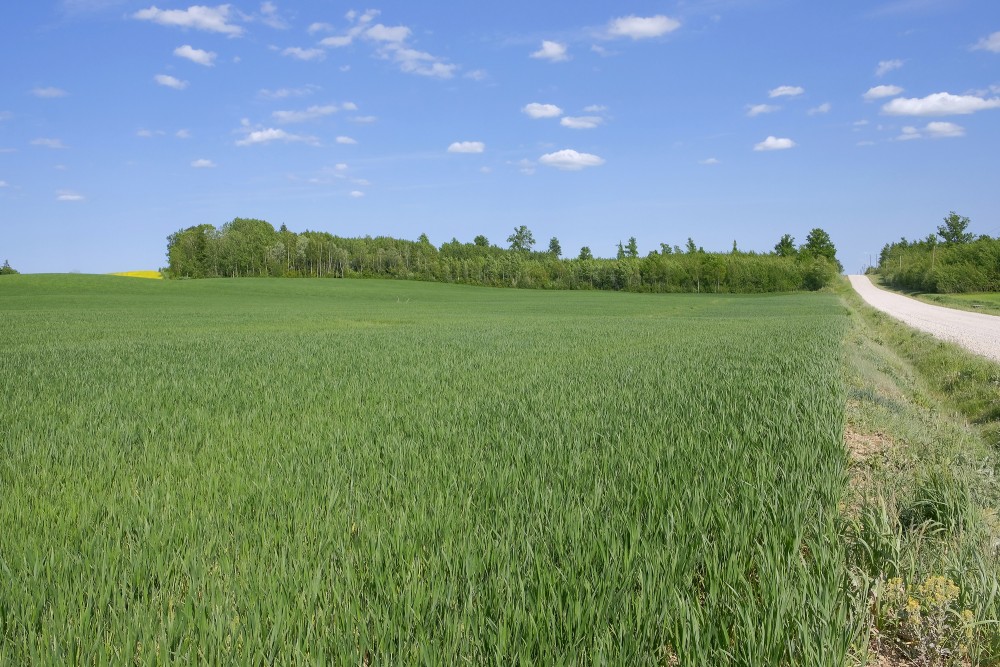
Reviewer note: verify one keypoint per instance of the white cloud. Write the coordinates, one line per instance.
(319, 27)
(304, 54)
(337, 41)
(183, 134)
(203, 164)
(942, 130)
(170, 81)
(49, 92)
(68, 195)
(758, 109)
(346, 141)
(821, 109)
(570, 160)
(595, 108)
(282, 93)
(357, 194)
(467, 147)
(49, 143)
(148, 134)
(860, 123)
(349, 106)
(476, 75)
(786, 91)
(581, 122)
(991, 43)
(381, 33)
(710, 161)
(774, 144)
(933, 130)
(526, 167)
(637, 27)
(939, 104)
(878, 92)
(886, 66)
(270, 17)
(206, 58)
(341, 166)
(536, 110)
(270, 134)
(412, 61)
(210, 19)
(311, 113)
(551, 51)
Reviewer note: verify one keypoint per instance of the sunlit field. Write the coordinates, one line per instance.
(154, 275)
(260, 471)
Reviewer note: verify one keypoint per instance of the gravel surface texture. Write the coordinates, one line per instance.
(974, 331)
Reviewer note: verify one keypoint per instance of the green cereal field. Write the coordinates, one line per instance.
(353, 472)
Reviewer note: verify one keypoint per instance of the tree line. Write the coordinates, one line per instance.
(948, 261)
(7, 269)
(251, 247)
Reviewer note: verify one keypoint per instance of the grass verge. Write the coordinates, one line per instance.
(922, 428)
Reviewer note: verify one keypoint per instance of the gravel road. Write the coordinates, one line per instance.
(977, 332)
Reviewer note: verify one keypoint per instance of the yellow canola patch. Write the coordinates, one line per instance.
(153, 275)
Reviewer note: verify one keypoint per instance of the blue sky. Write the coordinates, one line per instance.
(123, 121)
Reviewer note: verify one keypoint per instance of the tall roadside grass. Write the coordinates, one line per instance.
(375, 472)
(921, 519)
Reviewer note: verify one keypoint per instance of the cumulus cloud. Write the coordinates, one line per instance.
(886, 66)
(821, 109)
(758, 109)
(990, 43)
(170, 81)
(206, 58)
(581, 122)
(282, 93)
(203, 164)
(933, 130)
(392, 45)
(536, 110)
(304, 54)
(319, 27)
(637, 27)
(311, 113)
(786, 91)
(347, 141)
(773, 143)
(383, 33)
(269, 16)
(198, 17)
(412, 61)
(551, 51)
(878, 92)
(939, 104)
(570, 160)
(467, 147)
(68, 195)
(56, 144)
(49, 92)
(268, 135)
